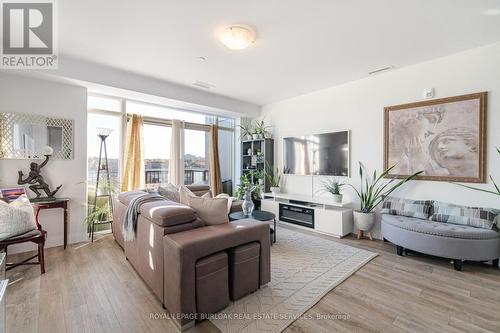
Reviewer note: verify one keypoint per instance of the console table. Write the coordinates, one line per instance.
(327, 216)
(49, 204)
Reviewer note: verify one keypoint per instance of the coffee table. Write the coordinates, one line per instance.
(259, 215)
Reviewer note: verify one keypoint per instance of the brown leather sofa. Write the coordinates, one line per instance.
(186, 264)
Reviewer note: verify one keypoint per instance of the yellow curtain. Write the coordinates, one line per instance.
(215, 177)
(133, 171)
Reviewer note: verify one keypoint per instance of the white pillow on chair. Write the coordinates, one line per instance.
(16, 218)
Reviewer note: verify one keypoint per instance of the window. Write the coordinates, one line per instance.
(107, 112)
(113, 148)
(226, 159)
(94, 122)
(156, 153)
(196, 157)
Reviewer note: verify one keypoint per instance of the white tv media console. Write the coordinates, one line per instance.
(329, 217)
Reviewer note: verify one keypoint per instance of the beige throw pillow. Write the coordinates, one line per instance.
(185, 193)
(211, 210)
(229, 201)
(16, 217)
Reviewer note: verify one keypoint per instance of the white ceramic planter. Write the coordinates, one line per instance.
(364, 221)
(255, 136)
(275, 190)
(337, 198)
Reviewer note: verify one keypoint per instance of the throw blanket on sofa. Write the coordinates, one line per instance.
(132, 214)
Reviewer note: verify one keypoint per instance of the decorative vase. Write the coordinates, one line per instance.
(249, 151)
(255, 136)
(364, 221)
(247, 206)
(337, 198)
(275, 190)
(249, 136)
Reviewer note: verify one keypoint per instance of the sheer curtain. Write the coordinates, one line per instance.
(133, 171)
(215, 176)
(176, 163)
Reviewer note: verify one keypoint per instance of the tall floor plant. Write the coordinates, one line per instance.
(372, 192)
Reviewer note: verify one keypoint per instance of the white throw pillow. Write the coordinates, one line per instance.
(211, 210)
(229, 201)
(16, 218)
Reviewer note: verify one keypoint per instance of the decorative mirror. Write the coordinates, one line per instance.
(24, 136)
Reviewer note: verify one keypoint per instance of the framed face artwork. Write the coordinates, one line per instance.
(446, 138)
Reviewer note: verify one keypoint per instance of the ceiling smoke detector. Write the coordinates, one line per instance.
(237, 37)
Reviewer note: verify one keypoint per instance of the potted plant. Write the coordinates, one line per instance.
(372, 193)
(334, 187)
(246, 131)
(274, 179)
(262, 129)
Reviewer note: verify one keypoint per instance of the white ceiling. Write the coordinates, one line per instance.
(301, 45)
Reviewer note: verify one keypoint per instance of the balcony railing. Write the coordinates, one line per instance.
(158, 176)
(191, 176)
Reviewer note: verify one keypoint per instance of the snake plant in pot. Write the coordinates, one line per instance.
(372, 192)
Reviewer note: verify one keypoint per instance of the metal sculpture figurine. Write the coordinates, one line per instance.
(37, 182)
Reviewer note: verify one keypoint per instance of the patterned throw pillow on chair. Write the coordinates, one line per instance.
(404, 207)
(478, 217)
(16, 217)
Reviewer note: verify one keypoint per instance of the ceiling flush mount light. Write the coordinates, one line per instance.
(237, 37)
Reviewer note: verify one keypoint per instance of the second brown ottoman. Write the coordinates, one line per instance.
(212, 292)
(243, 270)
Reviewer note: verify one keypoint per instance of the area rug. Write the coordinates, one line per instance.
(304, 268)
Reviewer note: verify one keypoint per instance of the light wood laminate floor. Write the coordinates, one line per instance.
(92, 288)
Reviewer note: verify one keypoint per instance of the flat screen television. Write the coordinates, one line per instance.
(318, 154)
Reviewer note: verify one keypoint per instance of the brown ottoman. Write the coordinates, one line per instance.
(244, 270)
(212, 292)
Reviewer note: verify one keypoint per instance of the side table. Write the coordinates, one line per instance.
(49, 204)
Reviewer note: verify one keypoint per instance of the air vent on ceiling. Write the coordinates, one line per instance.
(376, 71)
(203, 85)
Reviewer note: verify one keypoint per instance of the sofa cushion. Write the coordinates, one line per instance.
(211, 210)
(126, 197)
(477, 217)
(405, 207)
(167, 213)
(438, 228)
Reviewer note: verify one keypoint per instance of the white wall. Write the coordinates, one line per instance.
(358, 106)
(22, 94)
